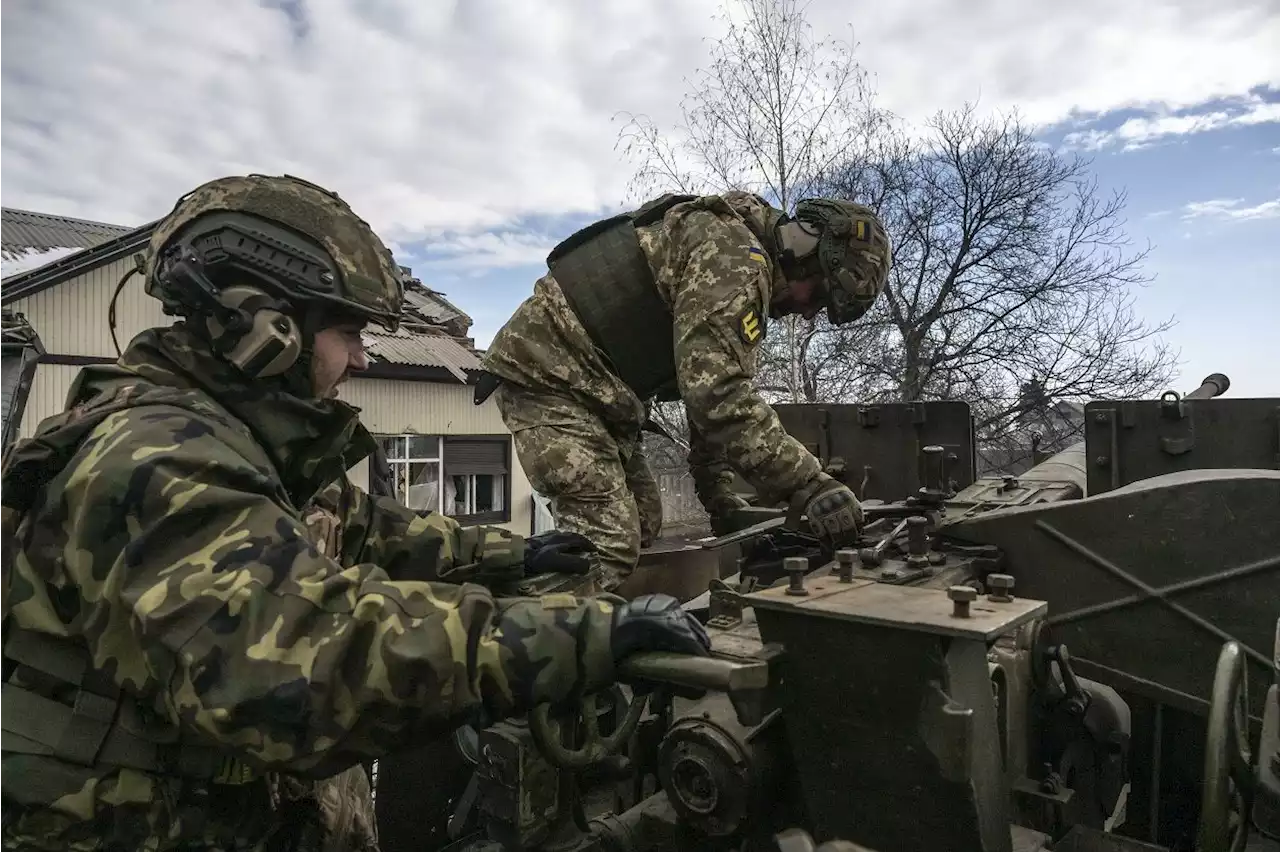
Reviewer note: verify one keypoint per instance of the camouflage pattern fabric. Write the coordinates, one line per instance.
(573, 418)
(598, 482)
(644, 488)
(173, 547)
(364, 275)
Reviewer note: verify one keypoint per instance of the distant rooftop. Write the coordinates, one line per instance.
(32, 239)
(26, 229)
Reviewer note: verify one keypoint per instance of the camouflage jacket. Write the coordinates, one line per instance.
(206, 552)
(712, 270)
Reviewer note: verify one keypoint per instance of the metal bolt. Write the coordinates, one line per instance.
(933, 464)
(796, 566)
(917, 535)
(845, 557)
(961, 596)
(1000, 588)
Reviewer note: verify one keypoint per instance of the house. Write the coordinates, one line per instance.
(62, 275)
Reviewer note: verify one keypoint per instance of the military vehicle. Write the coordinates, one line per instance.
(1085, 656)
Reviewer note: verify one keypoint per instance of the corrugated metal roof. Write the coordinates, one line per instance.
(22, 231)
(421, 349)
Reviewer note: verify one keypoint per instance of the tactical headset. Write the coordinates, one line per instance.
(246, 325)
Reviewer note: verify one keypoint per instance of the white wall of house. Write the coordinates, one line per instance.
(71, 319)
(391, 407)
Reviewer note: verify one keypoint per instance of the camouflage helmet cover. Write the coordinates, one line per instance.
(356, 271)
(853, 251)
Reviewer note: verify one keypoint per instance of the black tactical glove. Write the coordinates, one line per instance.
(720, 508)
(656, 623)
(558, 553)
(834, 513)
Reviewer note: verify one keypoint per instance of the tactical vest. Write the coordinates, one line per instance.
(103, 727)
(607, 281)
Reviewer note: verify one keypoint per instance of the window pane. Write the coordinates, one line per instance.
(424, 486)
(461, 490)
(393, 446)
(485, 501)
(424, 447)
(398, 481)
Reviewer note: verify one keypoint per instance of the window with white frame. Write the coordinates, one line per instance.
(466, 477)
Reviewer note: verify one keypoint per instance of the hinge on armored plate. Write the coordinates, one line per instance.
(868, 416)
(824, 435)
(1106, 418)
(1174, 409)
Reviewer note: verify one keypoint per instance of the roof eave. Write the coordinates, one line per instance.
(41, 278)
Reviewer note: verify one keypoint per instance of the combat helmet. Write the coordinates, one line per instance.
(846, 244)
(241, 248)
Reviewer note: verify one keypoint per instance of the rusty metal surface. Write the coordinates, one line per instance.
(881, 445)
(921, 609)
(1146, 583)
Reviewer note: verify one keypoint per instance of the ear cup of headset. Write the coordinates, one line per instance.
(269, 345)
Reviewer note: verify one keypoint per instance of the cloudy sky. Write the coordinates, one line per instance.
(474, 133)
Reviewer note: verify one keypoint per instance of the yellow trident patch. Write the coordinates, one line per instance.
(749, 328)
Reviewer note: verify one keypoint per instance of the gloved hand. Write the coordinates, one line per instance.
(558, 552)
(834, 513)
(720, 508)
(656, 623)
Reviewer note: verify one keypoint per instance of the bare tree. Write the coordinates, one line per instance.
(1009, 268)
(775, 111)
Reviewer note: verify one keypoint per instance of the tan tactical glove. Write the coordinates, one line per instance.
(834, 513)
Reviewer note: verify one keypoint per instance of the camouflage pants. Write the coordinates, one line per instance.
(599, 483)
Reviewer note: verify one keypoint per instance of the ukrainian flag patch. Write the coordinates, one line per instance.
(757, 255)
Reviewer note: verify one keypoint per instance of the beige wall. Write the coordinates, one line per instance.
(389, 407)
(71, 319)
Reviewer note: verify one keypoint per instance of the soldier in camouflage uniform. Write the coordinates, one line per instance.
(671, 301)
(207, 628)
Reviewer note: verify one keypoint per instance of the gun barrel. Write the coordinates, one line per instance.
(1213, 385)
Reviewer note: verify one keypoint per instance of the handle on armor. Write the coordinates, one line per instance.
(746, 682)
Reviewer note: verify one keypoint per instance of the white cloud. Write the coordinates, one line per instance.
(1059, 60)
(1230, 209)
(486, 251)
(15, 262)
(1145, 130)
(472, 115)
(424, 115)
